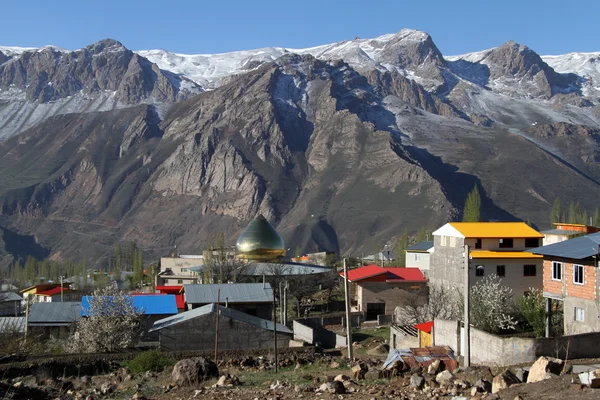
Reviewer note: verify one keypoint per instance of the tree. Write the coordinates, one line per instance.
(400, 250)
(596, 218)
(472, 210)
(575, 214)
(532, 308)
(490, 305)
(112, 323)
(417, 308)
(422, 235)
(556, 212)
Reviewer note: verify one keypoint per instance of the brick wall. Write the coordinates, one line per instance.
(567, 287)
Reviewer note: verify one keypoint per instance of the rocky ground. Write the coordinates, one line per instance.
(308, 376)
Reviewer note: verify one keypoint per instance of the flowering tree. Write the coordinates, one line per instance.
(490, 305)
(112, 323)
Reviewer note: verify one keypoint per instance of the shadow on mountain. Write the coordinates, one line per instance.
(457, 185)
(22, 246)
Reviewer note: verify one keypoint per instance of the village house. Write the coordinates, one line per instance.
(499, 248)
(57, 294)
(179, 270)
(376, 290)
(564, 231)
(571, 277)
(255, 299)
(418, 256)
(10, 304)
(55, 319)
(196, 330)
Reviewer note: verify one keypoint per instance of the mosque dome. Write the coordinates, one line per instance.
(260, 242)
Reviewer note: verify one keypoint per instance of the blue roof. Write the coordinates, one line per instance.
(151, 304)
(421, 246)
(578, 248)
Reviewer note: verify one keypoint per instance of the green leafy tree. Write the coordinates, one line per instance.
(400, 249)
(422, 235)
(532, 308)
(555, 212)
(575, 214)
(472, 210)
(596, 217)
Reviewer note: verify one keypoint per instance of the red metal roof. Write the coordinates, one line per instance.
(361, 273)
(53, 291)
(170, 289)
(405, 274)
(393, 274)
(425, 326)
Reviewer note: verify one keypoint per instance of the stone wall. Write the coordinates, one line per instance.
(492, 350)
(446, 263)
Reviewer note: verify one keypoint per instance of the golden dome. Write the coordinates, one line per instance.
(260, 242)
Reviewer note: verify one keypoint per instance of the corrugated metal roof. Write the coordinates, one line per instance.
(9, 296)
(233, 292)
(563, 232)
(226, 312)
(577, 248)
(286, 269)
(55, 313)
(502, 254)
(12, 324)
(154, 304)
(495, 230)
(421, 246)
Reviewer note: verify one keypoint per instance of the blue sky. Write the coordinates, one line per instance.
(209, 26)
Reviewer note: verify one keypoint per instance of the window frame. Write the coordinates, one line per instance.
(477, 269)
(537, 243)
(559, 269)
(582, 314)
(529, 274)
(575, 266)
(502, 245)
(478, 243)
(503, 271)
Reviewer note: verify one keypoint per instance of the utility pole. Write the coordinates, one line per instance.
(467, 328)
(61, 289)
(280, 302)
(285, 303)
(275, 332)
(348, 322)
(217, 325)
(26, 316)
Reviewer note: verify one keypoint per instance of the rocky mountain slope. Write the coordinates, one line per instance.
(342, 146)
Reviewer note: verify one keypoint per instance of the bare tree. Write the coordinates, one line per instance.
(441, 303)
(112, 323)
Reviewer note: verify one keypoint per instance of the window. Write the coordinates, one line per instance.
(184, 270)
(417, 257)
(529, 270)
(180, 281)
(532, 242)
(579, 314)
(166, 281)
(479, 270)
(477, 243)
(556, 271)
(506, 243)
(452, 241)
(501, 270)
(578, 274)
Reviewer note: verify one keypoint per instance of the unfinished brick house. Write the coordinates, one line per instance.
(571, 277)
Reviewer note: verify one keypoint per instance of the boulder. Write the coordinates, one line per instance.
(341, 378)
(190, 371)
(591, 378)
(521, 374)
(504, 381)
(433, 368)
(334, 387)
(444, 377)
(483, 386)
(227, 381)
(107, 388)
(544, 368)
(417, 381)
(359, 371)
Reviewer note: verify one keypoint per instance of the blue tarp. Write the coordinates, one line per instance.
(151, 304)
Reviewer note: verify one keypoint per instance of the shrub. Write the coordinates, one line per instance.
(152, 360)
(532, 309)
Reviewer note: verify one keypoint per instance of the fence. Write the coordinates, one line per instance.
(309, 330)
(489, 349)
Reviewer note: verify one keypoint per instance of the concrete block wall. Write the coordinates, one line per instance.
(446, 333)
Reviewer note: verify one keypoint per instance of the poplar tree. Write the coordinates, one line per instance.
(555, 213)
(472, 210)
